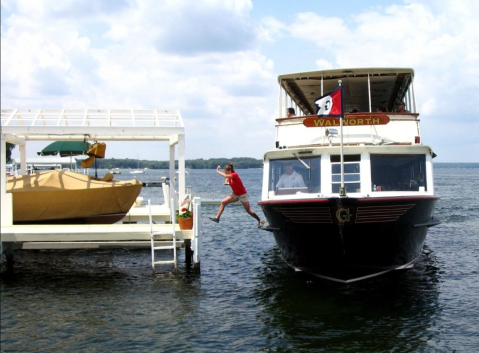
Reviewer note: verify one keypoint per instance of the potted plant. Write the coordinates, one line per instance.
(185, 217)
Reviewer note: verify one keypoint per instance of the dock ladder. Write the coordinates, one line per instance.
(169, 244)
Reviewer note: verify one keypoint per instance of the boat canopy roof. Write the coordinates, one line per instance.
(19, 125)
(364, 89)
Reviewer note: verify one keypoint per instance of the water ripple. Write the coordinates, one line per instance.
(246, 298)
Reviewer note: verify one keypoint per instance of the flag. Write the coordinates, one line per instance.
(330, 104)
(186, 201)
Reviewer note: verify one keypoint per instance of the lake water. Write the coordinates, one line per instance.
(246, 299)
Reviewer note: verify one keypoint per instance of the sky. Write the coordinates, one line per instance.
(217, 61)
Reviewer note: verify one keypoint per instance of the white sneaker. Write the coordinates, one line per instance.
(261, 224)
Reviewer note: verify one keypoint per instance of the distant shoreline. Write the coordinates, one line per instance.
(212, 163)
(456, 165)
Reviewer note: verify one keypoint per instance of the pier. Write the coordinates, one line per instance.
(142, 227)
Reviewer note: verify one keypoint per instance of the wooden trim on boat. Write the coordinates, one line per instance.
(392, 115)
(351, 144)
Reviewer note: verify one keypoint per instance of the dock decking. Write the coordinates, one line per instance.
(63, 236)
(160, 213)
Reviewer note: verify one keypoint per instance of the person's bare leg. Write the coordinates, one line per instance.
(250, 211)
(227, 200)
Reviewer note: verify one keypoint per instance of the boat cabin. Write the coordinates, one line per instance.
(382, 147)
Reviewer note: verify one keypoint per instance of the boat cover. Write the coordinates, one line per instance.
(59, 194)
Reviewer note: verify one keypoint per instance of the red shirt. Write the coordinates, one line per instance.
(236, 184)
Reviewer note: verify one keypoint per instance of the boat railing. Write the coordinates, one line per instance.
(392, 116)
(402, 128)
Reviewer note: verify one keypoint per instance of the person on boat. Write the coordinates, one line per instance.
(239, 193)
(415, 184)
(420, 180)
(290, 113)
(401, 107)
(290, 178)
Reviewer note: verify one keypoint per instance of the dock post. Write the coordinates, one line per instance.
(7, 249)
(196, 242)
(188, 252)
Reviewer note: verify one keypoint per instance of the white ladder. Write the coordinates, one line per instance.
(170, 231)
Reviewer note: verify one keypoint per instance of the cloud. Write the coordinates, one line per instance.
(440, 42)
(198, 27)
(199, 57)
(186, 28)
(66, 9)
(216, 64)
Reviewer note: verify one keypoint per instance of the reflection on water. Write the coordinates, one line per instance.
(392, 313)
(93, 300)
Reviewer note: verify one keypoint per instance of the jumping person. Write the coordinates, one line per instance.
(239, 193)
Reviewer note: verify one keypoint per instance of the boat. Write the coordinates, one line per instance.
(115, 171)
(358, 197)
(64, 197)
(11, 169)
(138, 171)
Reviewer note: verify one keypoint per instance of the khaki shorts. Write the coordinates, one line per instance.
(242, 198)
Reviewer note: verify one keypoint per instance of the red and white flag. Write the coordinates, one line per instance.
(330, 104)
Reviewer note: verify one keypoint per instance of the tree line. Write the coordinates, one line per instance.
(212, 163)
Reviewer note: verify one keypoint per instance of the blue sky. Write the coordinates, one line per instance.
(217, 61)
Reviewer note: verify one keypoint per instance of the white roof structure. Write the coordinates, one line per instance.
(18, 126)
(50, 160)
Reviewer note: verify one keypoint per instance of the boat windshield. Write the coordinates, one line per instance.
(398, 172)
(293, 176)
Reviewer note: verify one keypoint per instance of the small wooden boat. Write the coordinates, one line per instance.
(63, 197)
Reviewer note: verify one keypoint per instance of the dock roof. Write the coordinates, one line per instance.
(19, 125)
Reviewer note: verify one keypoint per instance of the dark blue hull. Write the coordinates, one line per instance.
(347, 239)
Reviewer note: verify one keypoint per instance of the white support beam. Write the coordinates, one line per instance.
(6, 199)
(3, 161)
(172, 175)
(16, 140)
(112, 133)
(181, 167)
(196, 242)
(23, 159)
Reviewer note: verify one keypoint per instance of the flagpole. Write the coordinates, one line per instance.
(342, 189)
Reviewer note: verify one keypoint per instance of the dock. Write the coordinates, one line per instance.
(85, 235)
(136, 229)
(153, 184)
(159, 213)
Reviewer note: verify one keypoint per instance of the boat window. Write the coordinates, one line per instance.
(352, 176)
(398, 172)
(290, 176)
